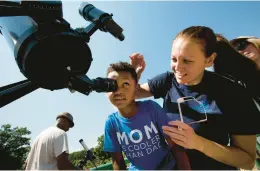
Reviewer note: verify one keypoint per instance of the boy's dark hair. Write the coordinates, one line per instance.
(122, 66)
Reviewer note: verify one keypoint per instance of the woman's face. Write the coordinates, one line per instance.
(188, 61)
(252, 53)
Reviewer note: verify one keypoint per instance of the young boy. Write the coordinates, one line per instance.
(136, 128)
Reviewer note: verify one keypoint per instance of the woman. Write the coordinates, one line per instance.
(230, 111)
(238, 67)
(248, 46)
(245, 66)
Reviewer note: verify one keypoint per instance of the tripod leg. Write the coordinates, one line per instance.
(15, 91)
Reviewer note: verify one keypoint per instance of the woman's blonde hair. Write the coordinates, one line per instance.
(251, 39)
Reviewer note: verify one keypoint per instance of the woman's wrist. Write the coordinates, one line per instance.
(138, 75)
(199, 144)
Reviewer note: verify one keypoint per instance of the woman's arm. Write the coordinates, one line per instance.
(157, 86)
(137, 61)
(240, 154)
(118, 161)
(143, 91)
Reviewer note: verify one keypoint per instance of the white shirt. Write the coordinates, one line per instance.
(48, 145)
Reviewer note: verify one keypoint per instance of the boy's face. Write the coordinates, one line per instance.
(126, 89)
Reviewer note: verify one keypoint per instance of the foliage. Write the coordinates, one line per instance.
(101, 157)
(14, 147)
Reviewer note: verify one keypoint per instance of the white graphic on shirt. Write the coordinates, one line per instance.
(135, 145)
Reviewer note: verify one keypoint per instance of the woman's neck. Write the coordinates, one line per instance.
(195, 81)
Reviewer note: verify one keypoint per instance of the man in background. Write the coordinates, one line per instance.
(50, 149)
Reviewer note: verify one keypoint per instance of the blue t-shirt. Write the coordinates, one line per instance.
(229, 108)
(140, 137)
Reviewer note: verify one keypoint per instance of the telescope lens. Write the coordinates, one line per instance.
(49, 62)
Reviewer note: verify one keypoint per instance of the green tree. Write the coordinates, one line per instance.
(77, 156)
(99, 153)
(101, 157)
(14, 146)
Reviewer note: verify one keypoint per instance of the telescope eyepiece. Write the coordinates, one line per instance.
(102, 20)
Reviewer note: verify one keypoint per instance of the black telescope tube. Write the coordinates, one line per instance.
(102, 20)
(91, 13)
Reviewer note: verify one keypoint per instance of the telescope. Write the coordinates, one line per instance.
(88, 156)
(48, 52)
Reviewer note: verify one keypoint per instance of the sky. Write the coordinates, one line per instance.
(149, 28)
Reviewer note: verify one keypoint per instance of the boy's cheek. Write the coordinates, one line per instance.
(109, 94)
(110, 97)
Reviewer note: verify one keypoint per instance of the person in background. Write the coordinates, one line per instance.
(242, 67)
(236, 66)
(249, 46)
(50, 149)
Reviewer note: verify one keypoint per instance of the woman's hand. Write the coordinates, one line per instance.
(137, 61)
(240, 153)
(183, 135)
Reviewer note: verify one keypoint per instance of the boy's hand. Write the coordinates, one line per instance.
(137, 61)
(180, 155)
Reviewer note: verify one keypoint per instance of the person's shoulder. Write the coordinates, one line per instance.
(111, 121)
(224, 84)
(160, 84)
(163, 76)
(167, 75)
(152, 103)
(148, 104)
(58, 131)
(144, 102)
(220, 80)
(52, 131)
(112, 117)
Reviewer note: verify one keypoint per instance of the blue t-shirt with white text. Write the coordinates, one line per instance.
(139, 137)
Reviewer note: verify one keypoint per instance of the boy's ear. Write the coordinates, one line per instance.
(137, 87)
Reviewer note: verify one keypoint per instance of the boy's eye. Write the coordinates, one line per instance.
(126, 84)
